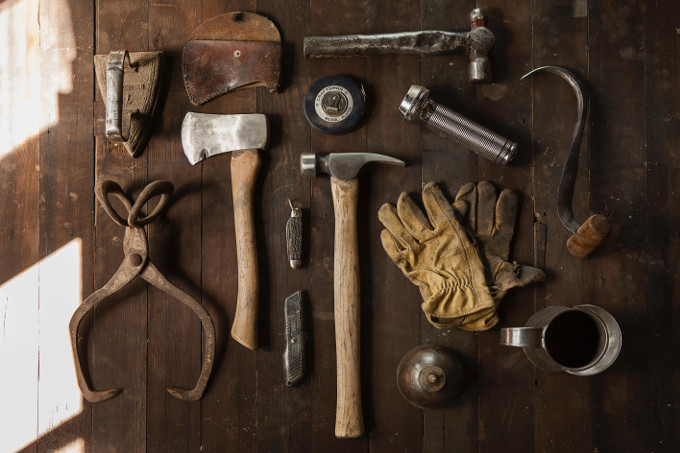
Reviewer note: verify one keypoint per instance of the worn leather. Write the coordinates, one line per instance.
(437, 254)
(490, 218)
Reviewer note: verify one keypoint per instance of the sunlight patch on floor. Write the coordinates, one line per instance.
(37, 50)
(39, 387)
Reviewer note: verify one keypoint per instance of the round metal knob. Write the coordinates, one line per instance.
(430, 376)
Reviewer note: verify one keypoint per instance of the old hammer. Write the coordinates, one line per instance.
(343, 169)
(205, 135)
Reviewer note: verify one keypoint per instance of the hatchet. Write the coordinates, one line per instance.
(205, 135)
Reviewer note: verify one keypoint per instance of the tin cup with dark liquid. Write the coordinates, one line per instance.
(582, 340)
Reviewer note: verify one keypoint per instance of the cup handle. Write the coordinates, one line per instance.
(522, 337)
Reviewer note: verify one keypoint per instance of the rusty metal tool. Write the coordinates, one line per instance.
(588, 235)
(132, 95)
(205, 135)
(231, 51)
(137, 263)
(343, 169)
(294, 353)
(475, 43)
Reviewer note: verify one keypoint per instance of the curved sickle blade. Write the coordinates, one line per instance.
(347, 165)
(565, 193)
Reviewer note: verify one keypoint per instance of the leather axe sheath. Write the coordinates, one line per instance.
(231, 51)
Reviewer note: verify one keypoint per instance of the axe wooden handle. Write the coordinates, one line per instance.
(244, 167)
(589, 235)
(349, 420)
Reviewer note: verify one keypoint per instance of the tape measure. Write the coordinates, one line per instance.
(334, 104)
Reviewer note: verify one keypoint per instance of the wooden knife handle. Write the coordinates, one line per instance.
(244, 167)
(349, 420)
(589, 235)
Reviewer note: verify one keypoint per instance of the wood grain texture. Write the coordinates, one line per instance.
(145, 341)
(349, 419)
(174, 331)
(244, 168)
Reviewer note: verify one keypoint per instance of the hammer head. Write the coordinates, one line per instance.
(205, 135)
(342, 165)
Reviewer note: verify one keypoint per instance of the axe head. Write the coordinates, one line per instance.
(205, 135)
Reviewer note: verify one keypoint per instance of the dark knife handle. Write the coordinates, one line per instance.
(294, 353)
(294, 237)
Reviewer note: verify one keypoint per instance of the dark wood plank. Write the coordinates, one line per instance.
(619, 179)
(662, 98)
(392, 315)
(450, 166)
(562, 42)
(66, 215)
(118, 349)
(284, 414)
(506, 378)
(229, 421)
(174, 331)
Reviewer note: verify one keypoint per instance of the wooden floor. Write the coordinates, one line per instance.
(145, 342)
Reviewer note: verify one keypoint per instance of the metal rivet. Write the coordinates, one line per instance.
(135, 259)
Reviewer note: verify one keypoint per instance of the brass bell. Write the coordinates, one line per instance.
(430, 376)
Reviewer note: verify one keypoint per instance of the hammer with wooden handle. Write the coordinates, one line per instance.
(343, 169)
(205, 135)
(587, 236)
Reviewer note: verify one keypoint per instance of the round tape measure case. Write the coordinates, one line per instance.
(334, 104)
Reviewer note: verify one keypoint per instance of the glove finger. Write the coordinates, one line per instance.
(439, 210)
(461, 208)
(391, 246)
(468, 195)
(512, 275)
(388, 217)
(412, 217)
(486, 208)
(506, 215)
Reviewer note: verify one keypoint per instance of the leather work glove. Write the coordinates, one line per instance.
(437, 255)
(491, 220)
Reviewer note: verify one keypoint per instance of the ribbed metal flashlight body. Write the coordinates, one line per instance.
(470, 135)
(463, 131)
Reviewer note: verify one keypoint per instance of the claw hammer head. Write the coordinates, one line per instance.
(343, 166)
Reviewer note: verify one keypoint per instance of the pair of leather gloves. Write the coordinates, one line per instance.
(457, 255)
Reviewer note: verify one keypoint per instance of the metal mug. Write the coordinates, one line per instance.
(583, 340)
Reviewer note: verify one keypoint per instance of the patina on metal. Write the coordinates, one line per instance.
(430, 376)
(294, 237)
(475, 43)
(137, 263)
(588, 235)
(294, 352)
(131, 92)
(418, 105)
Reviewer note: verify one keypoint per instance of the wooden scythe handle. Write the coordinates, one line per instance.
(244, 167)
(589, 235)
(349, 420)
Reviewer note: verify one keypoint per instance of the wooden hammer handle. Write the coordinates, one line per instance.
(244, 167)
(589, 235)
(349, 420)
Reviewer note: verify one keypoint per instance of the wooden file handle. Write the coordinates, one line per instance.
(589, 235)
(349, 420)
(244, 167)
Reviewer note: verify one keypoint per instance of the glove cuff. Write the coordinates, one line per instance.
(455, 300)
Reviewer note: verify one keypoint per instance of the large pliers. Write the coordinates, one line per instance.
(137, 263)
